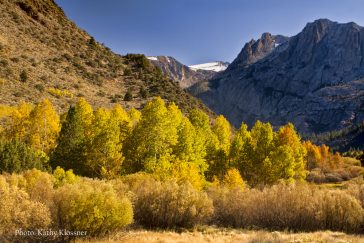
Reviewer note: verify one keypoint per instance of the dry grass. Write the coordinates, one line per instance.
(225, 235)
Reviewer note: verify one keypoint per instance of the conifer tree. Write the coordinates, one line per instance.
(70, 152)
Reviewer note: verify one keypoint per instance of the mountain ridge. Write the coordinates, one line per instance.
(315, 79)
(181, 73)
(43, 54)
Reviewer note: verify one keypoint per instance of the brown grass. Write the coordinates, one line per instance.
(215, 235)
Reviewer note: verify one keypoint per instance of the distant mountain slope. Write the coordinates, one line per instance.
(314, 79)
(211, 66)
(44, 55)
(342, 140)
(179, 72)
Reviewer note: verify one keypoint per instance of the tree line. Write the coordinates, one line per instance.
(159, 139)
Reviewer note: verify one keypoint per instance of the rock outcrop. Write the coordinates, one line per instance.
(314, 79)
(179, 72)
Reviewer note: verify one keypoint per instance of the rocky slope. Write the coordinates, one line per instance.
(44, 55)
(181, 73)
(314, 79)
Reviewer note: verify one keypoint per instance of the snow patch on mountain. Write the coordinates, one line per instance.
(211, 66)
(153, 58)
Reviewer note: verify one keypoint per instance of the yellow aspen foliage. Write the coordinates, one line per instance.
(222, 130)
(186, 171)
(135, 116)
(44, 126)
(86, 113)
(122, 118)
(232, 179)
(150, 145)
(289, 142)
(321, 157)
(16, 126)
(219, 147)
(241, 149)
(190, 147)
(103, 148)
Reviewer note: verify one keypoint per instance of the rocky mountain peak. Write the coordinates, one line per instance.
(184, 75)
(314, 79)
(254, 51)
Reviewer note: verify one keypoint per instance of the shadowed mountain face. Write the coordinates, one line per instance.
(181, 73)
(314, 79)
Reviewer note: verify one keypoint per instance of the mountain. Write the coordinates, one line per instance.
(211, 66)
(45, 55)
(179, 72)
(342, 140)
(314, 80)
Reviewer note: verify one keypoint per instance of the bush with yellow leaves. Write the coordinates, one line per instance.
(92, 206)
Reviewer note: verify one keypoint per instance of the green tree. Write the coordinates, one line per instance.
(16, 156)
(70, 151)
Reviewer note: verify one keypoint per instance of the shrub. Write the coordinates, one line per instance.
(128, 95)
(39, 87)
(93, 206)
(294, 207)
(339, 211)
(39, 186)
(169, 205)
(143, 92)
(62, 177)
(23, 76)
(127, 72)
(60, 93)
(18, 212)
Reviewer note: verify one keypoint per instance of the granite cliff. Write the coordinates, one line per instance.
(314, 79)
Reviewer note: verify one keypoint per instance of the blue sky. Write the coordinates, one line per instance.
(197, 31)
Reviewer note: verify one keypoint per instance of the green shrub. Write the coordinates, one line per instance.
(128, 95)
(23, 76)
(92, 206)
(127, 72)
(143, 92)
(169, 205)
(39, 87)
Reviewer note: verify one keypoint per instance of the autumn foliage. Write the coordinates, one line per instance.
(102, 169)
